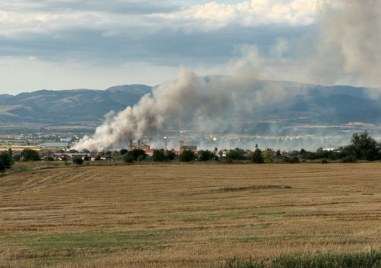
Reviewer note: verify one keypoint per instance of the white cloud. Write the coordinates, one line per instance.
(213, 15)
(49, 34)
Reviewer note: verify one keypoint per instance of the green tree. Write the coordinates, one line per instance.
(135, 155)
(187, 156)
(159, 155)
(268, 155)
(236, 154)
(2, 167)
(29, 155)
(205, 155)
(363, 147)
(123, 151)
(257, 156)
(5, 161)
(77, 160)
(170, 155)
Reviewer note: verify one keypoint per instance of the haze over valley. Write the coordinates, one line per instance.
(255, 70)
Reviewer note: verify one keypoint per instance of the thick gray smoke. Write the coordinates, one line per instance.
(205, 104)
(347, 51)
(349, 48)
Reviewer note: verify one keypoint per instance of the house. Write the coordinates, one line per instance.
(184, 147)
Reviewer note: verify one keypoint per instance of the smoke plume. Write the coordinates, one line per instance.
(191, 102)
(346, 51)
(349, 44)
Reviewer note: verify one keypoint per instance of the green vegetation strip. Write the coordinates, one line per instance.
(370, 259)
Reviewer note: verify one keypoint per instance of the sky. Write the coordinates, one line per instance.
(96, 44)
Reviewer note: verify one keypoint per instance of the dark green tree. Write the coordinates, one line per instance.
(257, 156)
(29, 155)
(205, 155)
(170, 155)
(187, 156)
(5, 161)
(123, 151)
(135, 155)
(236, 154)
(159, 155)
(363, 147)
(2, 167)
(77, 160)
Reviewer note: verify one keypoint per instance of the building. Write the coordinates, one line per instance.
(139, 145)
(184, 147)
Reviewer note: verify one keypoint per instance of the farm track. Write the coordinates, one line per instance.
(186, 215)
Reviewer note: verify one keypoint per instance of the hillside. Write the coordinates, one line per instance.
(68, 106)
(314, 105)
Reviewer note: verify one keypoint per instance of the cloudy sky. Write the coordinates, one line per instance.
(66, 44)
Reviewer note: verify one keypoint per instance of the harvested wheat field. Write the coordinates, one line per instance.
(186, 215)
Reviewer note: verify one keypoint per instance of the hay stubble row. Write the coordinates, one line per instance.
(171, 215)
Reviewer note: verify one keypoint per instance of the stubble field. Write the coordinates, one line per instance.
(186, 215)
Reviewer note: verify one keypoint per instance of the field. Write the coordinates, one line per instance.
(186, 215)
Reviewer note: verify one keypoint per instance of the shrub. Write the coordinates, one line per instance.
(128, 158)
(349, 159)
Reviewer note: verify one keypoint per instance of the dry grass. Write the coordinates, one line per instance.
(180, 215)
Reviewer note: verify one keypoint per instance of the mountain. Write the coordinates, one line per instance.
(312, 106)
(68, 106)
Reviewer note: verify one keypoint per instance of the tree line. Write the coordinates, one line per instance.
(362, 147)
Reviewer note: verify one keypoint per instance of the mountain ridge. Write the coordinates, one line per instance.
(317, 105)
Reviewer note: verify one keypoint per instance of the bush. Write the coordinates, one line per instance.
(128, 158)
(349, 159)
